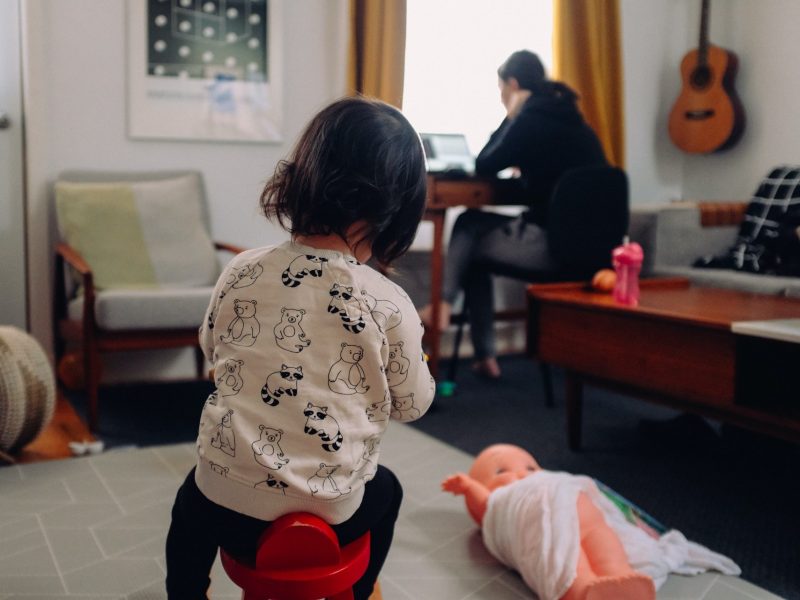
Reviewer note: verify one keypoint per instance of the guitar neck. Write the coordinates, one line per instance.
(702, 46)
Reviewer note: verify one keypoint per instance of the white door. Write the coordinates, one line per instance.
(12, 206)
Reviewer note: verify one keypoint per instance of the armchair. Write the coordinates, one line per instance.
(135, 266)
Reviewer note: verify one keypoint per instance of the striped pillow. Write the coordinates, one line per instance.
(139, 234)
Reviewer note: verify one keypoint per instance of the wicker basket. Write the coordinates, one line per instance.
(27, 389)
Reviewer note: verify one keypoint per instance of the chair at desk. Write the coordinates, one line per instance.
(588, 217)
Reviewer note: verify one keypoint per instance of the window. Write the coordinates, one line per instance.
(453, 49)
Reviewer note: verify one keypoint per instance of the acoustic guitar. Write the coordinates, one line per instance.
(707, 116)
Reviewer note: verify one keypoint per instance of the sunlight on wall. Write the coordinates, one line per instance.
(453, 49)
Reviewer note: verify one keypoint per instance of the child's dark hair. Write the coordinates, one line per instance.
(358, 160)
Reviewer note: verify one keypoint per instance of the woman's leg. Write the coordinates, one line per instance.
(479, 300)
(377, 514)
(469, 228)
(517, 249)
(465, 241)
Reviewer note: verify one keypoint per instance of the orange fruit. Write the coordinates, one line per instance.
(604, 280)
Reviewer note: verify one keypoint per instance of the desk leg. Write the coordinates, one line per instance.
(437, 265)
(574, 402)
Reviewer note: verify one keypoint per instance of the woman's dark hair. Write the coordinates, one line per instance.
(357, 160)
(527, 69)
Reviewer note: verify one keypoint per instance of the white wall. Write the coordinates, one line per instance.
(656, 35)
(76, 110)
(13, 300)
(654, 38)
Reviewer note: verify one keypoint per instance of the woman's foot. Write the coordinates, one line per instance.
(426, 314)
(487, 367)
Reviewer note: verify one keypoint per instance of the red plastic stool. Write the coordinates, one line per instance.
(299, 558)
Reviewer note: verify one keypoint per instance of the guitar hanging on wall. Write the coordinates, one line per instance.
(707, 116)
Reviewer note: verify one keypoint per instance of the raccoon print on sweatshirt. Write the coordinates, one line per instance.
(281, 383)
(348, 307)
(320, 423)
(306, 265)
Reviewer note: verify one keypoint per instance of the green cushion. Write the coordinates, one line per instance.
(139, 234)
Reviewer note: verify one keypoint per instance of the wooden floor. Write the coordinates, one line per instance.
(53, 443)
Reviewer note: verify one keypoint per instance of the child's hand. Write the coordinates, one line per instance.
(457, 484)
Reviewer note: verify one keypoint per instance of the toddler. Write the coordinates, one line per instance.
(313, 352)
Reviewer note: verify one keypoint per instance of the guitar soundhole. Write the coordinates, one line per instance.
(699, 115)
(701, 77)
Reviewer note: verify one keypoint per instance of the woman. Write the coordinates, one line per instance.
(542, 136)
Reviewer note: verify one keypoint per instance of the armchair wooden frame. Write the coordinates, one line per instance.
(93, 339)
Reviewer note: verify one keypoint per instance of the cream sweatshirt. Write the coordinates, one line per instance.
(313, 353)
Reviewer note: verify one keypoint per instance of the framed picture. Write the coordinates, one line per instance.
(205, 70)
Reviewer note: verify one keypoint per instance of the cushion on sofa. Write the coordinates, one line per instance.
(139, 233)
(152, 308)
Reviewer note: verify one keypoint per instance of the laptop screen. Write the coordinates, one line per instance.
(447, 151)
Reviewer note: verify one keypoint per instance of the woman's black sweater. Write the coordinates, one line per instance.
(547, 137)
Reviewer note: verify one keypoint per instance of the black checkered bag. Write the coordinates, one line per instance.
(761, 245)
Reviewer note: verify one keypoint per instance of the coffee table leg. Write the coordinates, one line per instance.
(574, 402)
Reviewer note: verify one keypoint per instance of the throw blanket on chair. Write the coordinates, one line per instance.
(531, 526)
(767, 240)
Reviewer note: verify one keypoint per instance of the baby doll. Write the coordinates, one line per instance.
(602, 571)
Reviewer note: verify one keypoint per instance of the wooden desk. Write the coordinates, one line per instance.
(444, 193)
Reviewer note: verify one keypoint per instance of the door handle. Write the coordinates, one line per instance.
(5, 121)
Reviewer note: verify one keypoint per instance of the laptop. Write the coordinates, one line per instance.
(447, 153)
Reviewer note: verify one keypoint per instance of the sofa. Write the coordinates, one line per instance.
(674, 235)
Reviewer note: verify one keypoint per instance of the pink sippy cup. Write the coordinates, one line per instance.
(627, 260)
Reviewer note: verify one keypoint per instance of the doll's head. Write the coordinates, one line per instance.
(501, 464)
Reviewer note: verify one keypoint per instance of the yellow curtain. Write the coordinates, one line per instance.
(588, 57)
(377, 49)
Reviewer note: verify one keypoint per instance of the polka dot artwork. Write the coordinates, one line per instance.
(207, 39)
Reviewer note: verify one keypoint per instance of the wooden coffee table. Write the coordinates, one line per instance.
(676, 348)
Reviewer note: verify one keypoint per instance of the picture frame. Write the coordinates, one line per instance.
(205, 70)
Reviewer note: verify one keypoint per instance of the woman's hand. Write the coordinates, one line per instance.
(515, 102)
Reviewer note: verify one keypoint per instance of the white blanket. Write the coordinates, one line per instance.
(532, 527)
